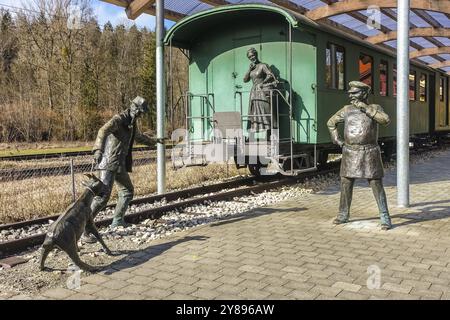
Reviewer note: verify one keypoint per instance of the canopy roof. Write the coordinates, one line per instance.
(429, 30)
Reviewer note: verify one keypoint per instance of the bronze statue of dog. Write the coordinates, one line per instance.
(65, 232)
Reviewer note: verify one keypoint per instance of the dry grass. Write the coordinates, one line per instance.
(38, 197)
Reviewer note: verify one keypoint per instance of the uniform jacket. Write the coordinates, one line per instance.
(361, 155)
(115, 140)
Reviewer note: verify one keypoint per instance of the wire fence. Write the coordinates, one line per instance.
(43, 187)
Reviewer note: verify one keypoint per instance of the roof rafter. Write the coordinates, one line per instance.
(415, 32)
(168, 14)
(346, 6)
(443, 64)
(137, 7)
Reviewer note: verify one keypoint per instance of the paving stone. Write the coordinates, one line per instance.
(59, 293)
(135, 289)
(230, 289)
(205, 294)
(397, 288)
(347, 286)
(254, 294)
(156, 293)
(81, 296)
(130, 296)
(108, 293)
(180, 296)
(95, 279)
(115, 284)
(302, 295)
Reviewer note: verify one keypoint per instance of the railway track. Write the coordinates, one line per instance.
(27, 173)
(190, 197)
(60, 155)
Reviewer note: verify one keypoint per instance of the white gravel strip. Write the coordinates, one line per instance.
(189, 217)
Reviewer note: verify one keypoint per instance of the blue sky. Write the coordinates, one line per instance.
(104, 12)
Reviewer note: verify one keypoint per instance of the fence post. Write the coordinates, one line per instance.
(72, 174)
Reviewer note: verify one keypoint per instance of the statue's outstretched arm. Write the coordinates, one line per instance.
(146, 139)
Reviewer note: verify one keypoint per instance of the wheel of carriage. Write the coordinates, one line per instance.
(388, 151)
(322, 158)
(255, 169)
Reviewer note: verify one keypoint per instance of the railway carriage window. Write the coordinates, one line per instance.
(383, 78)
(335, 67)
(366, 69)
(412, 86)
(395, 80)
(423, 87)
(441, 89)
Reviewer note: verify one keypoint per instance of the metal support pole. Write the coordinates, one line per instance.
(403, 103)
(160, 97)
(72, 175)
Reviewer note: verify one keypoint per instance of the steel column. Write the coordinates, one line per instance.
(403, 103)
(160, 98)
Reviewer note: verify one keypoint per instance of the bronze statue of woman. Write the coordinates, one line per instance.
(263, 80)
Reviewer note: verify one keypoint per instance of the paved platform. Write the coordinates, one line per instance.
(292, 251)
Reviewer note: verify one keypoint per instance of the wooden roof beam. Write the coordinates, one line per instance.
(290, 5)
(345, 6)
(137, 7)
(429, 52)
(414, 32)
(168, 14)
(119, 3)
(443, 64)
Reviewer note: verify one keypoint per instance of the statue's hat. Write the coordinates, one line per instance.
(356, 86)
(141, 104)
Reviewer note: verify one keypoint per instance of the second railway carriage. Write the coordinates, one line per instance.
(313, 64)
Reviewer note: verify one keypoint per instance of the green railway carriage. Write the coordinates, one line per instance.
(313, 63)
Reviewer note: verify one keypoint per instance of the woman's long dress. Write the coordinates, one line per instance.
(259, 106)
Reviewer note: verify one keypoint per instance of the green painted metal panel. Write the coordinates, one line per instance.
(219, 62)
(304, 80)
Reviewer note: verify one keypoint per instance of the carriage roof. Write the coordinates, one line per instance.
(187, 30)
